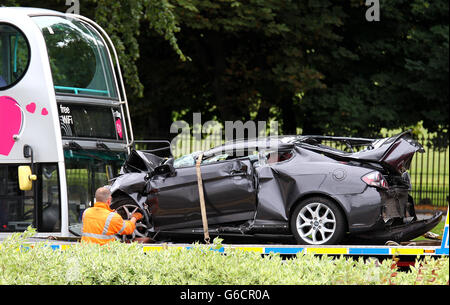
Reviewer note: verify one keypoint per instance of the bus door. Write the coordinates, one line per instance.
(39, 207)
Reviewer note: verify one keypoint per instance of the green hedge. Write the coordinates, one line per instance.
(127, 264)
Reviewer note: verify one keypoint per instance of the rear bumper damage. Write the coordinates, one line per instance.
(402, 232)
(397, 220)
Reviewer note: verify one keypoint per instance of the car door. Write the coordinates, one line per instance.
(229, 192)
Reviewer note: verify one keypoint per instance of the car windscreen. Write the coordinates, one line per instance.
(79, 59)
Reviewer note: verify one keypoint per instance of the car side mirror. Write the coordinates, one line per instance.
(164, 170)
(26, 178)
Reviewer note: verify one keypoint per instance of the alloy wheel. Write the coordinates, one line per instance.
(126, 211)
(316, 223)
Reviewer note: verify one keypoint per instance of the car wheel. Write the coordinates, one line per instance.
(318, 221)
(126, 209)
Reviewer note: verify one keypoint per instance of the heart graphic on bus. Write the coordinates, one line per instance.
(11, 123)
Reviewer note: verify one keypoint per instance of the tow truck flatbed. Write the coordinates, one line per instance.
(407, 251)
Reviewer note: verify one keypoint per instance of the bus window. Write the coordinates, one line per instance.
(14, 55)
(17, 208)
(50, 207)
(87, 121)
(78, 57)
(87, 170)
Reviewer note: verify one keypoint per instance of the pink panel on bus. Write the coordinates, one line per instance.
(119, 128)
(11, 119)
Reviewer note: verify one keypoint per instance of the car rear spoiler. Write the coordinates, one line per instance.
(351, 143)
(394, 153)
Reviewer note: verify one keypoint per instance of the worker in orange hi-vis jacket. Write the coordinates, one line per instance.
(101, 223)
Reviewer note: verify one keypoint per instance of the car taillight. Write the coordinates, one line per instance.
(375, 179)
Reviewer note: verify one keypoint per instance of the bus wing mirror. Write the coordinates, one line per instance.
(26, 178)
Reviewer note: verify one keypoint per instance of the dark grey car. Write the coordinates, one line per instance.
(278, 188)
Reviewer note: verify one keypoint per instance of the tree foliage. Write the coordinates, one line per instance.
(314, 65)
(393, 73)
(122, 21)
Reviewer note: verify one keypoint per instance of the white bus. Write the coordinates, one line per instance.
(64, 120)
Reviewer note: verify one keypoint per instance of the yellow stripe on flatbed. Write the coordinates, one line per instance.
(152, 248)
(406, 251)
(326, 250)
(253, 249)
(159, 248)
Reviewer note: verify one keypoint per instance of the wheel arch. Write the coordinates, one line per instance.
(322, 195)
(119, 197)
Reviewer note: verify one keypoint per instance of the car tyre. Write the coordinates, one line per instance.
(125, 206)
(318, 221)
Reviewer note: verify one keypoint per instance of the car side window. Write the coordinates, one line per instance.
(14, 55)
(260, 157)
(271, 157)
(278, 157)
(216, 158)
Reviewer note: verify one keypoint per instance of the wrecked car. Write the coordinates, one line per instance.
(278, 188)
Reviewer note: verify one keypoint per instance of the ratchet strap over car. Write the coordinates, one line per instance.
(202, 198)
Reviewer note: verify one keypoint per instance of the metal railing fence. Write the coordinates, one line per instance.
(430, 174)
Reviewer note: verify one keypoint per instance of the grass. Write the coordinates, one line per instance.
(439, 229)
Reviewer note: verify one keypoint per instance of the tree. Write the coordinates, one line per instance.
(392, 73)
(314, 65)
(249, 61)
(122, 21)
